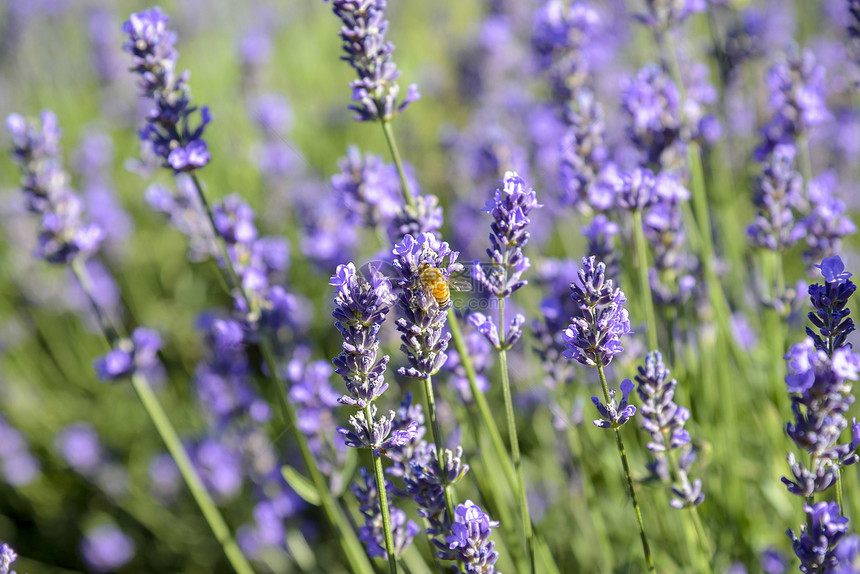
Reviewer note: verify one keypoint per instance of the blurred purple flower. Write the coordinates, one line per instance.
(106, 548)
(81, 447)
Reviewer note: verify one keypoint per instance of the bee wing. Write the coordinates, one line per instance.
(458, 284)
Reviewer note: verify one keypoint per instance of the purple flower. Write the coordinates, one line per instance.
(510, 207)
(315, 399)
(560, 34)
(7, 556)
(614, 415)
(168, 129)
(19, 466)
(222, 378)
(470, 538)
(664, 420)
(594, 335)
(778, 194)
(372, 533)
(106, 548)
(360, 309)
(797, 96)
(423, 261)
(81, 447)
(425, 216)
(368, 188)
(584, 157)
(220, 467)
(375, 92)
(818, 540)
(64, 236)
(652, 103)
(830, 302)
(820, 387)
(137, 354)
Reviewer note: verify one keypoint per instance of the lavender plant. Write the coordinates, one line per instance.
(593, 338)
(510, 207)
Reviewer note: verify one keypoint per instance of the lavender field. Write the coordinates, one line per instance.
(570, 282)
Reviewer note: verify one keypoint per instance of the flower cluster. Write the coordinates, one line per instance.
(470, 538)
(416, 464)
(7, 556)
(64, 236)
(818, 545)
(360, 310)
(594, 335)
(510, 207)
(18, 464)
(424, 266)
(778, 194)
(168, 128)
(372, 533)
(223, 377)
(315, 400)
(830, 302)
(673, 276)
(615, 414)
(820, 386)
(663, 15)
(797, 95)
(652, 103)
(664, 420)
(368, 188)
(559, 37)
(364, 45)
(854, 28)
(827, 222)
(137, 354)
(107, 548)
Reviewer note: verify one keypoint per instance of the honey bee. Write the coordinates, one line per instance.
(436, 285)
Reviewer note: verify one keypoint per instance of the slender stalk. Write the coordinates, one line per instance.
(171, 440)
(703, 537)
(646, 548)
(346, 535)
(395, 155)
(515, 443)
(383, 503)
(437, 440)
(644, 281)
(481, 401)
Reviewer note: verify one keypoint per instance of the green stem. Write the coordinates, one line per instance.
(515, 443)
(481, 401)
(346, 535)
(644, 281)
(839, 491)
(395, 154)
(171, 440)
(383, 502)
(646, 548)
(437, 440)
(703, 537)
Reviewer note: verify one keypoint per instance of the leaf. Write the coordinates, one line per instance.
(303, 487)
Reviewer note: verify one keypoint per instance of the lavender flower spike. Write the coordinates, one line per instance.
(424, 313)
(7, 556)
(372, 533)
(614, 415)
(364, 45)
(816, 546)
(168, 126)
(361, 307)
(64, 236)
(594, 335)
(831, 306)
(139, 353)
(470, 537)
(510, 208)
